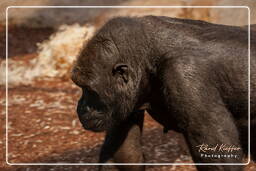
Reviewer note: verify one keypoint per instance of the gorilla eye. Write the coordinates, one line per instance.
(121, 70)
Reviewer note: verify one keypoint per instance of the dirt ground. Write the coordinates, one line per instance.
(43, 127)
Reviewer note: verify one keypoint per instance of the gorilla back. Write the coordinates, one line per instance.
(191, 76)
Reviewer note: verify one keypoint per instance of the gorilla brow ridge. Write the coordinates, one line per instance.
(79, 74)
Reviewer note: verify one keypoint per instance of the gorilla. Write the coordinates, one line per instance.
(190, 76)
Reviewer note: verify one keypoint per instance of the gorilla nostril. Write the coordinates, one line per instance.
(87, 109)
(83, 109)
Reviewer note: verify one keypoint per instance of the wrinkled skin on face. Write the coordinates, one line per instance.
(110, 83)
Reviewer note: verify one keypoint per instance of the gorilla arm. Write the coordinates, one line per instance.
(123, 144)
(200, 112)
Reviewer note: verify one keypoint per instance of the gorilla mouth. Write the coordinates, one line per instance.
(93, 119)
(95, 125)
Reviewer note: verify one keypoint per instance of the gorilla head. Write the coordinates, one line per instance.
(110, 72)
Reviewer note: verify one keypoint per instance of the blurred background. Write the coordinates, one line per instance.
(42, 45)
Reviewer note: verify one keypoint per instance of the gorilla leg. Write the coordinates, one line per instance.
(123, 145)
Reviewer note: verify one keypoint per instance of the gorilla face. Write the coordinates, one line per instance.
(109, 84)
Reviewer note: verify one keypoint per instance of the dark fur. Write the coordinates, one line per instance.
(192, 75)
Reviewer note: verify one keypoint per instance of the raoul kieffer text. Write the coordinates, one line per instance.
(218, 148)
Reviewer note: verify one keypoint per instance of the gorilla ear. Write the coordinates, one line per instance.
(122, 70)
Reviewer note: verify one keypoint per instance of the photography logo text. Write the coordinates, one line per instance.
(218, 151)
